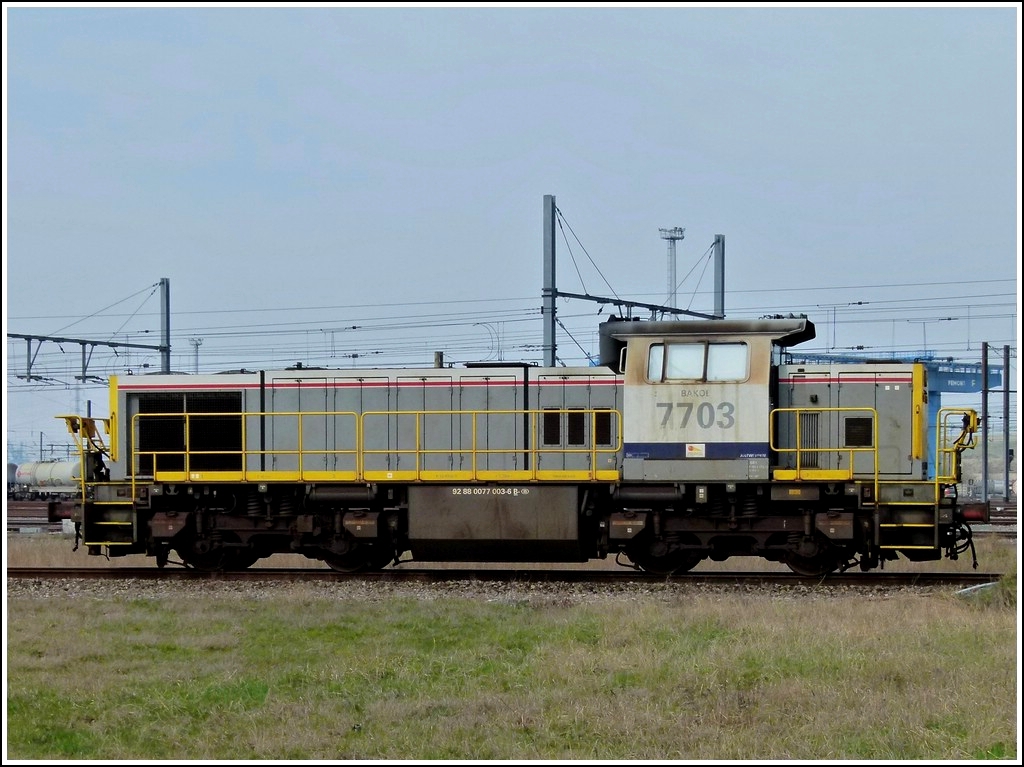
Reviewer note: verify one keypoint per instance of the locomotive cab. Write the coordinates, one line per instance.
(729, 452)
(696, 397)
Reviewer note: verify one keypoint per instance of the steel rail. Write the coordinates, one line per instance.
(511, 575)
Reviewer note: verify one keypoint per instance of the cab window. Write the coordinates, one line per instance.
(697, 362)
(727, 362)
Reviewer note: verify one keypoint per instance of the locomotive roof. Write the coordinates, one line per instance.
(785, 331)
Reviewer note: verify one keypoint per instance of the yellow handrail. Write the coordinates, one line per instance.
(360, 427)
(947, 453)
(88, 441)
(800, 449)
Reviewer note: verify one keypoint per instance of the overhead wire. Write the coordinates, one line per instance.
(151, 288)
(706, 258)
(561, 219)
(396, 335)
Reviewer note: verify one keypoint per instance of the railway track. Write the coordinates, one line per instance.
(450, 575)
(36, 525)
(36, 516)
(29, 525)
(1002, 512)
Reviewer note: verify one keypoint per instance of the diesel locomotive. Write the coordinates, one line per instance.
(691, 440)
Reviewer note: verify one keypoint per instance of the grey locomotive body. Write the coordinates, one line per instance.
(690, 440)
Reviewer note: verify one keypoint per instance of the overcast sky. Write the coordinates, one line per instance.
(350, 186)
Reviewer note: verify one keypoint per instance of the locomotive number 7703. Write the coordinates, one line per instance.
(704, 415)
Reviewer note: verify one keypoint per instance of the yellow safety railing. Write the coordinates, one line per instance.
(947, 448)
(947, 467)
(91, 451)
(88, 441)
(188, 464)
(357, 431)
(947, 453)
(807, 469)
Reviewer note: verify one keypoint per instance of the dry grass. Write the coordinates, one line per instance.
(305, 671)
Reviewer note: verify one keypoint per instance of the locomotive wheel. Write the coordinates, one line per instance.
(345, 563)
(813, 567)
(241, 559)
(218, 559)
(648, 556)
(380, 557)
(672, 564)
(360, 559)
(208, 562)
(201, 555)
(354, 561)
(812, 558)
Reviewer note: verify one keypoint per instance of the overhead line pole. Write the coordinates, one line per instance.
(165, 325)
(550, 293)
(719, 276)
(984, 421)
(1006, 424)
(164, 348)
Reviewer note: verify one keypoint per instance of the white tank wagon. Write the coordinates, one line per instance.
(48, 477)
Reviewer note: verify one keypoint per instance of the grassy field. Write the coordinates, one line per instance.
(308, 671)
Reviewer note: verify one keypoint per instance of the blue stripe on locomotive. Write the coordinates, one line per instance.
(711, 450)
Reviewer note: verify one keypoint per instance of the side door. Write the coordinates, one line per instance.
(890, 394)
(491, 431)
(433, 424)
